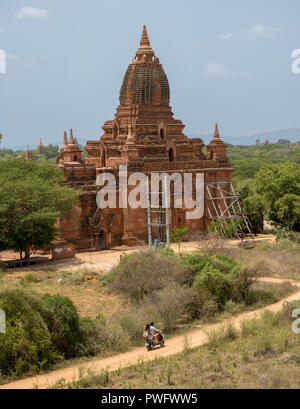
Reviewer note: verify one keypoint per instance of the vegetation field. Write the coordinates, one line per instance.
(265, 355)
(178, 293)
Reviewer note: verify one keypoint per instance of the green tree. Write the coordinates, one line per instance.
(177, 235)
(254, 205)
(50, 151)
(279, 184)
(32, 197)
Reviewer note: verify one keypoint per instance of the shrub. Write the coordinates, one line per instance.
(62, 319)
(114, 337)
(42, 329)
(287, 234)
(228, 228)
(90, 336)
(263, 296)
(132, 322)
(106, 279)
(196, 261)
(168, 305)
(200, 303)
(26, 345)
(141, 274)
(222, 277)
(217, 283)
(226, 265)
(29, 278)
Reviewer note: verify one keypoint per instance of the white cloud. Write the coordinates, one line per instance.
(261, 30)
(225, 37)
(31, 13)
(220, 70)
(256, 32)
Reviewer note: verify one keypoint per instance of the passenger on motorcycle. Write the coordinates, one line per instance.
(148, 333)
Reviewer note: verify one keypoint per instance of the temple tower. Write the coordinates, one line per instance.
(144, 136)
(70, 149)
(40, 147)
(28, 154)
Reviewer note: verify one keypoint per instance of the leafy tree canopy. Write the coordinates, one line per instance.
(32, 197)
(279, 184)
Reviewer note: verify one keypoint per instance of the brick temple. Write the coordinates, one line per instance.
(145, 136)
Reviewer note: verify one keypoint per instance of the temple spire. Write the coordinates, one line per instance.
(72, 140)
(145, 47)
(145, 39)
(216, 134)
(65, 140)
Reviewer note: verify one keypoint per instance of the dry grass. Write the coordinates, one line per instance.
(84, 289)
(265, 355)
(271, 259)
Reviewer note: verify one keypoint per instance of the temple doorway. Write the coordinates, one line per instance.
(102, 240)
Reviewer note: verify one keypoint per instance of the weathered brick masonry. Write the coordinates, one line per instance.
(144, 136)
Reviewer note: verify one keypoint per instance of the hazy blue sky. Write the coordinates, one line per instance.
(227, 61)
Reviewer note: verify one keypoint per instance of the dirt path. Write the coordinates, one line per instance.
(196, 338)
(106, 259)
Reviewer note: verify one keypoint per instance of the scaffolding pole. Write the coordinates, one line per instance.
(149, 215)
(223, 192)
(158, 218)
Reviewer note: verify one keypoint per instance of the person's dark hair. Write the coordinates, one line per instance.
(151, 323)
(147, 327)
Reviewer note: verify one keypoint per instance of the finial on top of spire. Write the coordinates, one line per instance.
(216, 134)
(145, 47)
(144, 39)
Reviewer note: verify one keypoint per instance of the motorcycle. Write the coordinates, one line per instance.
(151, 343)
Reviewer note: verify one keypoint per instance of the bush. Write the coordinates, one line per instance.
(265, 297)
(222, 277)
(106, 279)
(286, 234)
(90, 339)
(168, 305)
(141, 274)
(114, 337)
(216, 283)
(225, 227)
(132, 322)
(62, 319)
(200, 303)
(26, 345)
(43, 329)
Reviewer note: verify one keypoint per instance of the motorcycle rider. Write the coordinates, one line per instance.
(155, 332)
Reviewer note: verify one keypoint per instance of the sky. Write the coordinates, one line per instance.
(226, 61)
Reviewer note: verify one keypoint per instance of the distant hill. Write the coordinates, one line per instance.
(292, 134)
(24, 147)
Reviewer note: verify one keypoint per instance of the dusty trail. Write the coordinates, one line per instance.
(174, 345)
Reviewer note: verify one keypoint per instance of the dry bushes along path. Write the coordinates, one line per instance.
(174, 345)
